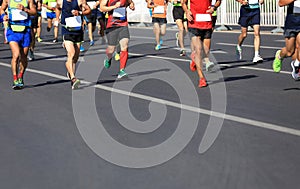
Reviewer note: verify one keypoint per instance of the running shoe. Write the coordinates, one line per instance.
(193, 66)
(295, 72)
(15, 85)
(55, 40)
(107, 63)
(202, 83)
(21, 83)
(75, 83)
(157, 47)
(39, 39)
(81, 48)
(122, 74)
(182, 52)
(277, 62)
(238, 52)
(92, 43)
(177, 41)
(257, 59)
(161, 41)
(30, 55)
(117, 56)
(209, 66)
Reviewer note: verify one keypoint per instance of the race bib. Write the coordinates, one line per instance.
(159, 10)
(252, 2)
(18, 15)
(53, 4)
(296, 9)
(119, 12)
(91, 4)
(203, 17)
(74, 22)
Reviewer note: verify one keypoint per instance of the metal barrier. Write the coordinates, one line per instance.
(228, 14)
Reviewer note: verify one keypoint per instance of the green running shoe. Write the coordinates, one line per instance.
(107, 63)
(21, 82)
(15, 85)
(122, 74)
(277, 63)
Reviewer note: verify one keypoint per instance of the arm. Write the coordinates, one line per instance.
(58, 11)
(105, 8)
(31, 10)
(85, 8)
(188, 12)
(243, 2)
(282, 3)
(3, 16)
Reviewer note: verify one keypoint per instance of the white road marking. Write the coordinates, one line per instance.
(238, 119)
(262, 47)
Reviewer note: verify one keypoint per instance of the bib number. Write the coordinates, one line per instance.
(74, 23)
(203, 17)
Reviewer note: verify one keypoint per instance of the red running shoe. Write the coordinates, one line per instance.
(202, 83)
(192, 66)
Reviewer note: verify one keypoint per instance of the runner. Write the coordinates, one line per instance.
(18, 35)
(51, 6)
(91, 19)
(200, 27)
(117, 31)
(292, 39)
(101, 20)
(159, 20)
(72, 31)
(39, 28)
(207, 41)
(249, 16)
(181, 22)
(34, 27)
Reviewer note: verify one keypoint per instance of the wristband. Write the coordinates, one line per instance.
(1, 17)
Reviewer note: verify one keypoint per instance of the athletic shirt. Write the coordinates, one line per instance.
(49, 3)
(66, 12)
(200, 8)
(116, 21)
(17, 25)
(159, 3)
(292, 21)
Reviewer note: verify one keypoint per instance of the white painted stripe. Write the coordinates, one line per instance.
(263, 69)
(246, 121)
(262, 47)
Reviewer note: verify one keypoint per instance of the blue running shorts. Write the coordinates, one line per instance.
(22, 38)
(51, 15)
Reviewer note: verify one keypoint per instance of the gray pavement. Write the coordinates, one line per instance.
(54, 138)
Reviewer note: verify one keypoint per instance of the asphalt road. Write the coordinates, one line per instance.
(155, 129)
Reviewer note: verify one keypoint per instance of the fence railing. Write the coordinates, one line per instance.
(228, 13)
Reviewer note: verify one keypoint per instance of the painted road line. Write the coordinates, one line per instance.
(238, 119)
(262, 47)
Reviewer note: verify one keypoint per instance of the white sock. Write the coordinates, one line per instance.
(256, 53)
(296, 63)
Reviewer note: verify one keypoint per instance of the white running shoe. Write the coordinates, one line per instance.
(295, 73)
(257, 59)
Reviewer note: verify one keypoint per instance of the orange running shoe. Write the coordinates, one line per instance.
(202, 83)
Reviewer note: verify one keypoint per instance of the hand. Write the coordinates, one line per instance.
(117, 5)
(210, 9)
(131, 6)
(75, 12)
(189, 15)
(244, 2)
(20, 7)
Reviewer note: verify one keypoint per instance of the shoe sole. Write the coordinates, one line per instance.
(122, 76)
(257, 62)
(296, 77)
